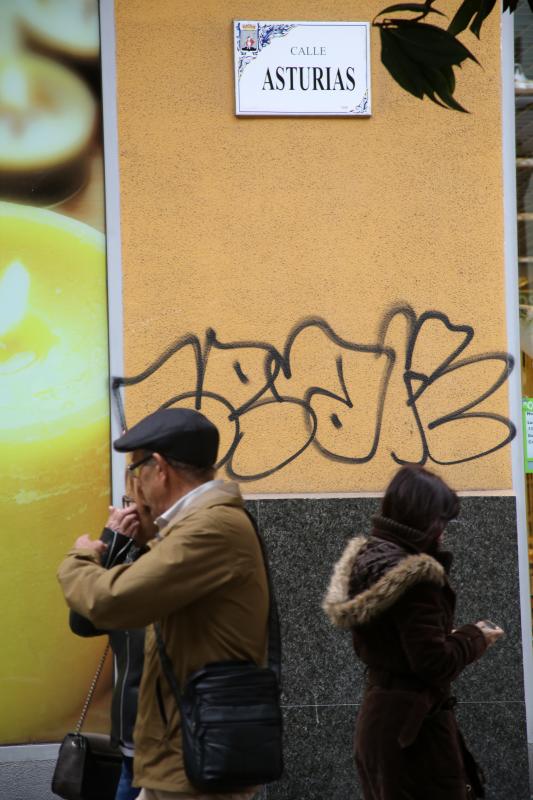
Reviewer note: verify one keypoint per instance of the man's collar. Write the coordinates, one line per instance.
(163, 520)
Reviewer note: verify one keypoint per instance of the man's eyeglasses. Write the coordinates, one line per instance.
(134, 468)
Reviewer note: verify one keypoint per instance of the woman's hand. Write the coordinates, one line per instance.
(490, 631)
(124, 520)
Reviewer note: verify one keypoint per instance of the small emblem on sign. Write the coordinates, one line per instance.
(248, 38)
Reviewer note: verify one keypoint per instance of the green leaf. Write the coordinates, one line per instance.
(449, 76)
(481, 16)
(437, 83)
(418, 7)
(430, 45)
(464, 15)
(441, 85)
(399, 64)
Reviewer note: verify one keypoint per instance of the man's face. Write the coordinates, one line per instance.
(134, 494)
(145, 486)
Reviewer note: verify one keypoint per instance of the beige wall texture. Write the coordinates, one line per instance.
(315, 247)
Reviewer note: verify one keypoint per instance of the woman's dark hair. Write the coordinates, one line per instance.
(420, 499)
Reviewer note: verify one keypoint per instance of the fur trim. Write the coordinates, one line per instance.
(344, 612)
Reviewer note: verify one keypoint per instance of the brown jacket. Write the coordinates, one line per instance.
(205, 581)
(399, 606)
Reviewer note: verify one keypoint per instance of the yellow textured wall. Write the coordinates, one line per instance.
(249, 226)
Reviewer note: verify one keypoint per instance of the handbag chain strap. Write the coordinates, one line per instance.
(274, 637)
(90, 693)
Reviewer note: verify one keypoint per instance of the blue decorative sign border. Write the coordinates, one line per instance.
(266, 32)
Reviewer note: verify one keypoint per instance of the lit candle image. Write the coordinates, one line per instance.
(47, 120)
(65, 28)
(54, 434)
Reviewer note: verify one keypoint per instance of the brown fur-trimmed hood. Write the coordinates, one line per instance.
(345, 611)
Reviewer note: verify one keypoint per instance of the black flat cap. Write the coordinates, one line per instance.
(180, 433)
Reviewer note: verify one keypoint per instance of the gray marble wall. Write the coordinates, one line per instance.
(322, 679)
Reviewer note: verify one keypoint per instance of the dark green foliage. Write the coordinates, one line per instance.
(473, 13)
(421, 8)
(421, 57)
(511, 5)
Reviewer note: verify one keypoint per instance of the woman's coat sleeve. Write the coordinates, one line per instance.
(435, 655)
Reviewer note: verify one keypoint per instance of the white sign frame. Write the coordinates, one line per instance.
(274, 60)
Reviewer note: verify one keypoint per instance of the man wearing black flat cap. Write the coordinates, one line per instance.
(203, 580)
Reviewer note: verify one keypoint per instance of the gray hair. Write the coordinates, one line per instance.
(191, 472)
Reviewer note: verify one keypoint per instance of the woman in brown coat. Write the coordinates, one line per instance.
(391, 589)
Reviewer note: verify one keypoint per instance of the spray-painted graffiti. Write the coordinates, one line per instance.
(318, 388)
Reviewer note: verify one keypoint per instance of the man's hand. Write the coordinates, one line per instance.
(147, 527)
(86, 543)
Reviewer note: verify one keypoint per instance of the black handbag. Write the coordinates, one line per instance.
(87, 767)
(231, 721)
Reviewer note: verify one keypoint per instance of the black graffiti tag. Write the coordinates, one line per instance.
(267, 389)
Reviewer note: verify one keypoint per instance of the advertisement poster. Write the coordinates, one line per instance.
(54, 410)
(527, 427)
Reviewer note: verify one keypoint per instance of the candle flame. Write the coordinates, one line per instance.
(14, 295)
(24, 337)
(14, 89)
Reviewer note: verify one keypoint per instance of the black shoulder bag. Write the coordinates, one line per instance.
(231, 722)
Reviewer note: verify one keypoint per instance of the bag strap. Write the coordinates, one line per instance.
(90, 694)
(274, 636)
(166, 663)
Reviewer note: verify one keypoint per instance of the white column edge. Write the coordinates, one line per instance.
(113, 237)
(513, 338)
